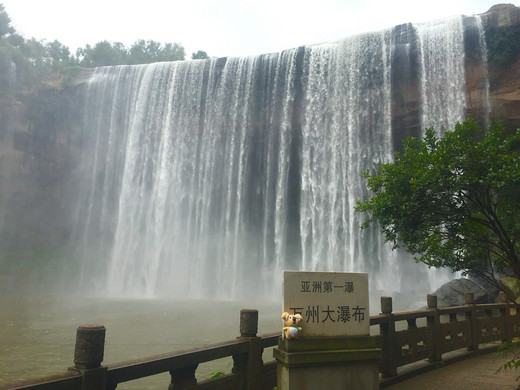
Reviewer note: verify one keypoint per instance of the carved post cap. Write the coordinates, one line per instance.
(502, 297)
(248, 322)
(469, 298)
(90, 346)
(386, 305)
(431, 300)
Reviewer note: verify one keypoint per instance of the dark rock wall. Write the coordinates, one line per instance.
(502, 26)
(406, 94)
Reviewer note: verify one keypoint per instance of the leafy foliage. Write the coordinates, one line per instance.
(5, 22)
(453, 201)
(101, 54)
(507, 349)
(143, 52)
(199, 55)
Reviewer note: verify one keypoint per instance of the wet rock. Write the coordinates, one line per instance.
(452, 293)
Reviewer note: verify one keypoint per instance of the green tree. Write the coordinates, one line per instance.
(453, 201)
(33, 64)
(199, 55)
(102, 54)
(15, 40)
(145, 52)
(172, 52)
(5, 22)
(58, 54)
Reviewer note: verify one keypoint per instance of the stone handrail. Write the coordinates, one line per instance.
(442, 330)
(446, 329)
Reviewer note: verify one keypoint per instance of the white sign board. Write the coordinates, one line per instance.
(331, 303)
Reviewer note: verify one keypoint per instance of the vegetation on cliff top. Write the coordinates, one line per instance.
(39, 63)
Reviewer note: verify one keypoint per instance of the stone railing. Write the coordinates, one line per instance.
(443, 330)
(426, 335)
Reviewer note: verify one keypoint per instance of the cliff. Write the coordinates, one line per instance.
(492, 87)
(41, 142)
(502, 26)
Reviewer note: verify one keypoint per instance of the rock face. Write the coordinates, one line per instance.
(36, 157)
(502, 26)
(452, 293)
(492, 88)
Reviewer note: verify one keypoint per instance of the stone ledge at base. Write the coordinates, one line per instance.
(327, 343)
(326, 350)
(328, 362)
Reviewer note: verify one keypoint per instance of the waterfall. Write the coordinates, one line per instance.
(442, 68)
(6, 159)
(346, 130)
(484, 59)
(12, 77)
(189, 174)
(208, 178)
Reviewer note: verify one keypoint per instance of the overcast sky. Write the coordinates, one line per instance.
(223, 27)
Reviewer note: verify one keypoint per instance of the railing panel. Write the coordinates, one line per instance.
(515, 322)
(270, 339)
(455, 335)
(127, 371)
(66, 381)
(412, 345)
(378, 319)
(459, 310)
(411, 315)
(224, 382)
(490, 329)
(269, 375)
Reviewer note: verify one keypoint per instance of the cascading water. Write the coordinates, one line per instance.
(208, 178)
(189, 177)
(442, 67)
(346, 130)
(8, 138)
(484, 59)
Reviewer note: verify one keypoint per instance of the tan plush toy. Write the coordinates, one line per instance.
(290, 329)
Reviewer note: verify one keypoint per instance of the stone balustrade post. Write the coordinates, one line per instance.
(387, 331)
(471, 315)
(88, 355)
(249, 365)
(434, 323)
(431, 301)
(469, 298)
(502, 297)
(507, 335)
(183, 378)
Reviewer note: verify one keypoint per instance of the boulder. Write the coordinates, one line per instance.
(452, 293)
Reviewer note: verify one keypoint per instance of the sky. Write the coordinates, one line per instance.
(223, 28)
